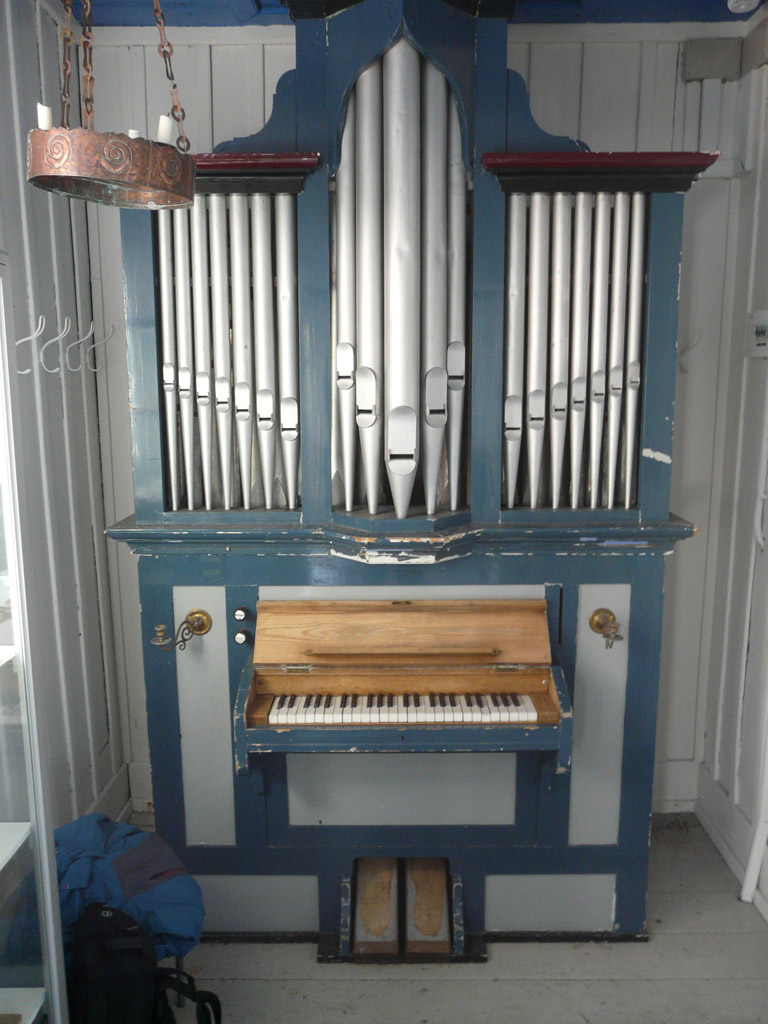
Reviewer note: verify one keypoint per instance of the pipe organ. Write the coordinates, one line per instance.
(402, 386)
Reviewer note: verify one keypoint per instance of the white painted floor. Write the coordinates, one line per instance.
(706, 963)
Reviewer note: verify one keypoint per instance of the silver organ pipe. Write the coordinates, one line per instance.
(369, 378)
(598, 338)
(537, 338)
(264, 339)
(242, 349)
(615, 375)
(400, 338)
(582, 253)
(456, 356)
(185, 369)
(288, 341)
(222, 356)
(634, 339)
(402, 241)
(202, 334)
(514, 369)
(168, 343)
(573, 342)
(345, 296)
(559, 337)
(230, 342)
(434, 269)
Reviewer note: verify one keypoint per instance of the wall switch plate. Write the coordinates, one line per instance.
(756, 346)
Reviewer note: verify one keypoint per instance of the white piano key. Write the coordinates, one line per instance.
(420, 708)
(305, 703)
(365, 710)
(388, 710)
(484, 707)
(401, 712)
(323, 715)
(375, 711)
(530, 707)
(512, 710)
(293, 707)
(346, 709)
(309, 711)
(277, 710)
(335, 715)
(494, 707)
(356, 715)
(505, 709)
(437, 710)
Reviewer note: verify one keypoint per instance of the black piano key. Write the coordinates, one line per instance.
(390, 700)
(452, 700)
(380, 700)
(328, 701)
(406, 701)
(432, 700)
(443, 700)
(354, 700)
(292, 701)
(469, 699)
(308, 701)
(344, 700)
(369, 702)
(281, 700)
(318, 700)
(417, 700)
(495, 700)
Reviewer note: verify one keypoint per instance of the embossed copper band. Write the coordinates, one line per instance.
(110, 168)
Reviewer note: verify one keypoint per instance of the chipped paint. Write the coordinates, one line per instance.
(649, 453)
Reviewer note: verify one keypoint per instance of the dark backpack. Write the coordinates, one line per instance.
(115, 978)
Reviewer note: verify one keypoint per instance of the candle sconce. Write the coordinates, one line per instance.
(196, 623)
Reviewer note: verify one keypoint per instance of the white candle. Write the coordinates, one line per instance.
(164, 128)
(133, 133)
(44, 117)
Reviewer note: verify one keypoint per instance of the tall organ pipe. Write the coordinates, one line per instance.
(242, 352)
(434, 270)
(288, 341)
(402, 152)
(202, 321)
(345, 287)
(217, 222)
(514, 344)
(369, 377)
(536, 376)
(598, 340)
(634, 337)
(615, 378)
(582, 252)
(264, 339)
(457, 299)
(184, 356)
(559, 337)
(168, 330)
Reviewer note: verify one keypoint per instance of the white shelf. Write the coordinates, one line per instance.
(27, 1002)
(12, 835)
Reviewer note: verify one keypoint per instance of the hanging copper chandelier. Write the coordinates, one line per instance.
(111, 168)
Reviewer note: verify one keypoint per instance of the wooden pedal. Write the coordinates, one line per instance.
(376, 930)
(427, 921)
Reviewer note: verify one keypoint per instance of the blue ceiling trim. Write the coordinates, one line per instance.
(264, 12)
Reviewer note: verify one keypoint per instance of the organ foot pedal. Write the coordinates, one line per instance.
(402, 910)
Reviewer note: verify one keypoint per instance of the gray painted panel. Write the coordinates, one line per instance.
(598, 719)
(424, 593)
(206, 733)
(552, 903)
(260, 903)
(401, 789)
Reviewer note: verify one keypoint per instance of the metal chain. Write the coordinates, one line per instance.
(67, 39)
(166, 51)
(87, 98)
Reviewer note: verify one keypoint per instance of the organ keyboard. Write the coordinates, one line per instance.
(403, 665)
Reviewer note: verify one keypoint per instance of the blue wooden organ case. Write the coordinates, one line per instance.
(409, 347)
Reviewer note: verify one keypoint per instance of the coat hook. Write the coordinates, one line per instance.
(93, 368)
(72, 344)
(31, 337)
(41, 353)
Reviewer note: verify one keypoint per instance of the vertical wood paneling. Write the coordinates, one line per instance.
(554, 83)
(656, 99)
(709, 115)
(277, 60)
(518, 58)
(610, 85)
(238, 91)
(691, 116)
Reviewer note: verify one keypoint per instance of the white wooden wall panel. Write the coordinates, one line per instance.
(54, 425)
(554, 81)
(238, 91)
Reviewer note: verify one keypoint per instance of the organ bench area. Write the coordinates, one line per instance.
(402, 388)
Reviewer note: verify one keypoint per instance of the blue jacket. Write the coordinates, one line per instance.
(104, 861)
